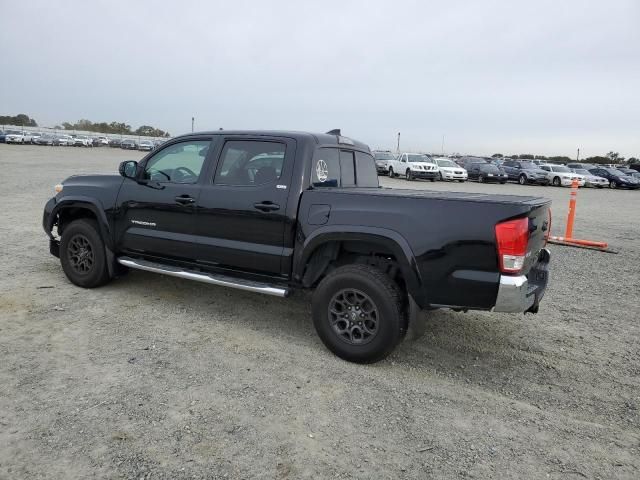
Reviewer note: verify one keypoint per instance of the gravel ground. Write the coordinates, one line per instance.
(154, 377)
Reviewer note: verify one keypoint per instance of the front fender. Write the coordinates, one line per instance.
(387, 238)
(80, 202)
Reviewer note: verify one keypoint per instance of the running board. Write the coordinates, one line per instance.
(214, 279)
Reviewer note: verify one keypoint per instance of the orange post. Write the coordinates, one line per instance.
(572, 209)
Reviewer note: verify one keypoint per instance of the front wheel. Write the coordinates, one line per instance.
(358, 313)
(480, 179)
(613, 184)
(408, 175)
(391, 172)
(556, 181)
(82, 254)
(522, 180)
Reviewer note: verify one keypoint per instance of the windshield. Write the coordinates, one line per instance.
(446, 163)
(413, 157)
(487, 167)
(528, 165)
(382, 156)
(561, 169)
(613, 171)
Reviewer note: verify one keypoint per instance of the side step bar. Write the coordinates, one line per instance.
(214, 279)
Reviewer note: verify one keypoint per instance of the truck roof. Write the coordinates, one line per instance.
(318, 138)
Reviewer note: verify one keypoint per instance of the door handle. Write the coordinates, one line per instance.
(185, 200)
(266, 206)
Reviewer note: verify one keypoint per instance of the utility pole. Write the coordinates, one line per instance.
(398, 147)
(192, 122)
(578, 156)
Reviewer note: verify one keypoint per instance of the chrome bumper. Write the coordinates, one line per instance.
(517, 294)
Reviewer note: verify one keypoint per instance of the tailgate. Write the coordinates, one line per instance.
(539, 229)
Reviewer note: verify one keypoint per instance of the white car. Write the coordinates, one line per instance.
(450, 170)
(14, 136)
(561, 176)
(82, 141)
(413, 165)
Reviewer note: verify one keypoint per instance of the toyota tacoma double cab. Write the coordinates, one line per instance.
(275, 212)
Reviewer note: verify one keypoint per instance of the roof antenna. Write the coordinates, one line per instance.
(335, 131)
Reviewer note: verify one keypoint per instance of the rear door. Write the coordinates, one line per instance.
(156, 212)
(241, 209)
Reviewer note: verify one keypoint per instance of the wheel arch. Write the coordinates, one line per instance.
(328, 241)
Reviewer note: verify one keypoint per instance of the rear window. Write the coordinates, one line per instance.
(332, 167)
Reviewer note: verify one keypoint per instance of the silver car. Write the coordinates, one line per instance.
(591, 180)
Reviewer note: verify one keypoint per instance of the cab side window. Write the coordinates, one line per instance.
(347, 169)
(178, 163)
(325, 168)
(250, 163)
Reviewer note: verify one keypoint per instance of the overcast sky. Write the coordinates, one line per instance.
(507, 76)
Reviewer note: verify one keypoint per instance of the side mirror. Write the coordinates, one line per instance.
(128, 169)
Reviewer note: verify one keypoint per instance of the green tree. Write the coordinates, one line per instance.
(21, 120)
(497, 155)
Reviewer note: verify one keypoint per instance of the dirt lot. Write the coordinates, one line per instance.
(154, 377)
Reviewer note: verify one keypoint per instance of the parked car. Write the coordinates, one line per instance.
(100, 142)
(450, 170)
(635, 166)
(561, 176)
(486, 172)
(63, 140)
(115, 143)
(46, 139)
(413, 165)
(145, 145)
(373, 257)
(591, 180)
(615, 177)
(158, 143)
(524, 172)
(13, 136)
(30, 137)
(465, 162)
(382, 158)
(129, 145)
(82, 141)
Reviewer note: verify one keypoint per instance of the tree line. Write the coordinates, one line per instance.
(611, 157)
(87, 125)
(114, 127)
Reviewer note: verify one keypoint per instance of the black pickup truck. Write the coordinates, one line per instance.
(274, 212)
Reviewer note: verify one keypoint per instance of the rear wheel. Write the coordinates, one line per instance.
(441, 177)
(82, 254)
(613, 184)
(358, 313)
(480, 179)
(522, 180)
(432, 179)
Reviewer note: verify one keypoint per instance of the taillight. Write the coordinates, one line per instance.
(512, 238)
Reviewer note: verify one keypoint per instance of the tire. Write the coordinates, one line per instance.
(522, 180)
(432, 179)
(480, 179)
(441, 177)
(502, 183)
(391, 175)
(82, 254)
(347, 286)
(613, 184)
(556, 182)
(408, 175)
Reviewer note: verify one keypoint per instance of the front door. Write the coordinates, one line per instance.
(156, 212)
(241, 208)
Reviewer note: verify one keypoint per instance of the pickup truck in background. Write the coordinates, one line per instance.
(274, 212)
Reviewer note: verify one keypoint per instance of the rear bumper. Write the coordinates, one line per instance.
(523, 293)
